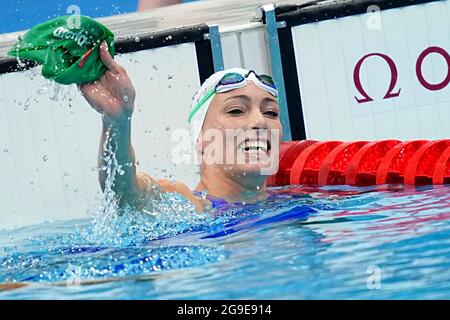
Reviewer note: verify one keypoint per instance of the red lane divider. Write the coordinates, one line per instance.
(362, 170)
(421, 166)
(441, 173)
(336, 163)
(287, 160)
(305, 169)
(363, 163)
(285, 146)
(272, 180)
(393, 165)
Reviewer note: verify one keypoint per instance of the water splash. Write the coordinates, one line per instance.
(117, 242)
(165, 214)
(20, 63)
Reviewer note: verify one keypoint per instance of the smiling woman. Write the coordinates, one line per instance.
(240, 135)
(234, 125)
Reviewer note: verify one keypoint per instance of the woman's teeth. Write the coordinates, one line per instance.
(257, 146)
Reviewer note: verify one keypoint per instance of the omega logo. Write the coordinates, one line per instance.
(392, 92)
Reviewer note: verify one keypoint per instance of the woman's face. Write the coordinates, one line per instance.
(242, 132)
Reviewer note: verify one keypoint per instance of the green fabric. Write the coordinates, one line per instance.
(63, 50)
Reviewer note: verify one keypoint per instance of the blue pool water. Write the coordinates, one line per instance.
(302, 243)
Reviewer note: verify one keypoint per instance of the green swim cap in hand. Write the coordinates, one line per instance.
(67, 47)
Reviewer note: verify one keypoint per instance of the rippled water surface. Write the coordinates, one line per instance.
(302, 243)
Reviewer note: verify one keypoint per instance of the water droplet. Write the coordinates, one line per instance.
(26, 104)
(137, 39)
(167, 128)
(169, 76)
(155, 67)
(258, 187)
(6, 151)
(42, 90)
(20, 63)
(125, 98)
(45, 158)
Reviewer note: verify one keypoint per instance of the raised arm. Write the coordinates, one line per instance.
(113, 97)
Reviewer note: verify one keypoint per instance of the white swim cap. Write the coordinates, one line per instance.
(197, 117)
(205, 94)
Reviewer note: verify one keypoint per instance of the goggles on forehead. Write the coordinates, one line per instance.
(234, 80)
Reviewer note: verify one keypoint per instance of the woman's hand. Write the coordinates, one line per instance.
(113, 94)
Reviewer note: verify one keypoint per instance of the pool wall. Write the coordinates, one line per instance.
(49, 135)
(378, 71)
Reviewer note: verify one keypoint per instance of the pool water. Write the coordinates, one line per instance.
(338, 242)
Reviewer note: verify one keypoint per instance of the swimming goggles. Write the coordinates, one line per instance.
(234, 80)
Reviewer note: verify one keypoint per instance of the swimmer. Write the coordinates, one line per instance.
(235, 100)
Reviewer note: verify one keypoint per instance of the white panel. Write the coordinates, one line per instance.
(254, 49)
(44, 125)
(329, 38)
(11, 212)
(49, 135)
(315, 105)
(416, 29)
(408, 124)
(443, 112)
(327, 53)
(246, 48)
(165, 84)
(231, 52)
(23, 149)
